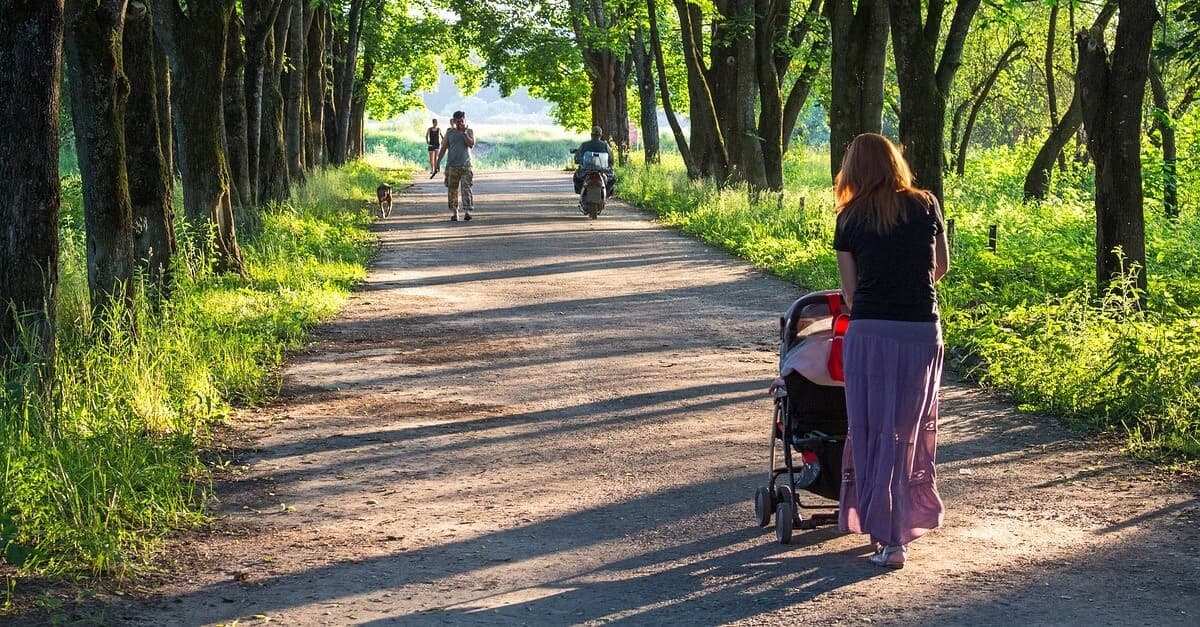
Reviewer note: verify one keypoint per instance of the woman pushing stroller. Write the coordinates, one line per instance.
(891, 251)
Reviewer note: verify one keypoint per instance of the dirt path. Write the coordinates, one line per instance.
(536, 419)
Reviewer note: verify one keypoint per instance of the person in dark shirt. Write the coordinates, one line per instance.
(891, 251)
(595, 144)
(433, 141)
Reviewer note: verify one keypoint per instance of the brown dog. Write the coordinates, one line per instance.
(384, 193)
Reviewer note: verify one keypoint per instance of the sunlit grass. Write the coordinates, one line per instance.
(94, 472)
(1023, 318)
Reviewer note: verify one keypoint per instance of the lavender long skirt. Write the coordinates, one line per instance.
(893, 372)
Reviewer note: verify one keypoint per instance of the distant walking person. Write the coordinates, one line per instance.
(433, 140)
(891, 250)
(457, 150)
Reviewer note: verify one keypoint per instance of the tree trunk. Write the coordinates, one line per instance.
(166, 121)
(1112, 90)
(925, 81)
(981, 94)
(147, 167)
(708, 142)
(29, 187)
(648, 102)
(775, 44)
(315, 87)
(98, 93)
(1037, 180)
(273, 176)
(195, 45)
(1166, 130)
(236, 135)
(664, 89)
(358, 110)
(608, 72)
(857, 63)
(349, 70)
(293, 123)
(798, 95)
(335, 77)
(1048, 69)
(260, 22)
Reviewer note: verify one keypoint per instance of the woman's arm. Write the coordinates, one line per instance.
(941, 257)
(848, 271)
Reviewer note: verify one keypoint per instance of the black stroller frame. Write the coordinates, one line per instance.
(781, 498)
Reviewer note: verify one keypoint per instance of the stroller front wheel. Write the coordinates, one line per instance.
(785, 517)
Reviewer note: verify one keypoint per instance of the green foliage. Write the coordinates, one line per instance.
(95, 470)
(529, 45)
(404, 41)
(1023, 318)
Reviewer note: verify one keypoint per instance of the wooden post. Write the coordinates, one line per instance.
(992, 238)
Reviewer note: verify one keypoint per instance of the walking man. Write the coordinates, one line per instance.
(457, 150)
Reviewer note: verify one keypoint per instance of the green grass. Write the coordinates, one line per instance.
(1022, 319)
(109, 461)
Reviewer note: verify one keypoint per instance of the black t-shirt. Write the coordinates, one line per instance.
(895, 270)
(433, 137)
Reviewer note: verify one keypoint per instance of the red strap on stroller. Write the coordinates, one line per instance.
(841, 322)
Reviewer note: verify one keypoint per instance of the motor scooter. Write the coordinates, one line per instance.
(596, 182)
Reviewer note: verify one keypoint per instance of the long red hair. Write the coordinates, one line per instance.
(874, 184)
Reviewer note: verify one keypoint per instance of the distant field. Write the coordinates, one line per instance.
(497, 147)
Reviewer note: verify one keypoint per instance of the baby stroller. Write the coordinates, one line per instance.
(809, 418)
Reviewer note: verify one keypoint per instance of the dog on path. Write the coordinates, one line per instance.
(384, 194)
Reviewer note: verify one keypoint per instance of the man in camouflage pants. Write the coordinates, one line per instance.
(456, 148)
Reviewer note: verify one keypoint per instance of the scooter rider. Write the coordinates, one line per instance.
(595, 144)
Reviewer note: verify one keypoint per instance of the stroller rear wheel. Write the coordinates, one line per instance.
(764, 506)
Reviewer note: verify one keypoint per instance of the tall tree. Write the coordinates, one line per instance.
(29, 187)
(294, 74)
(345, 91)
(98, 96)
(1112, 88)
(1165, 126)
(925, 79)
(162, 83)
(779, 40)
(601, 32)
(1048, 70)
(195, 43)
(1037, 180)
(315, 85)
(647, 100)
(709, 149)
(857, 60)
(732, 76)
(664, 88)
(980, 94)
(148, 171)
(260, 18)
(237, 148)
(273, 175)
